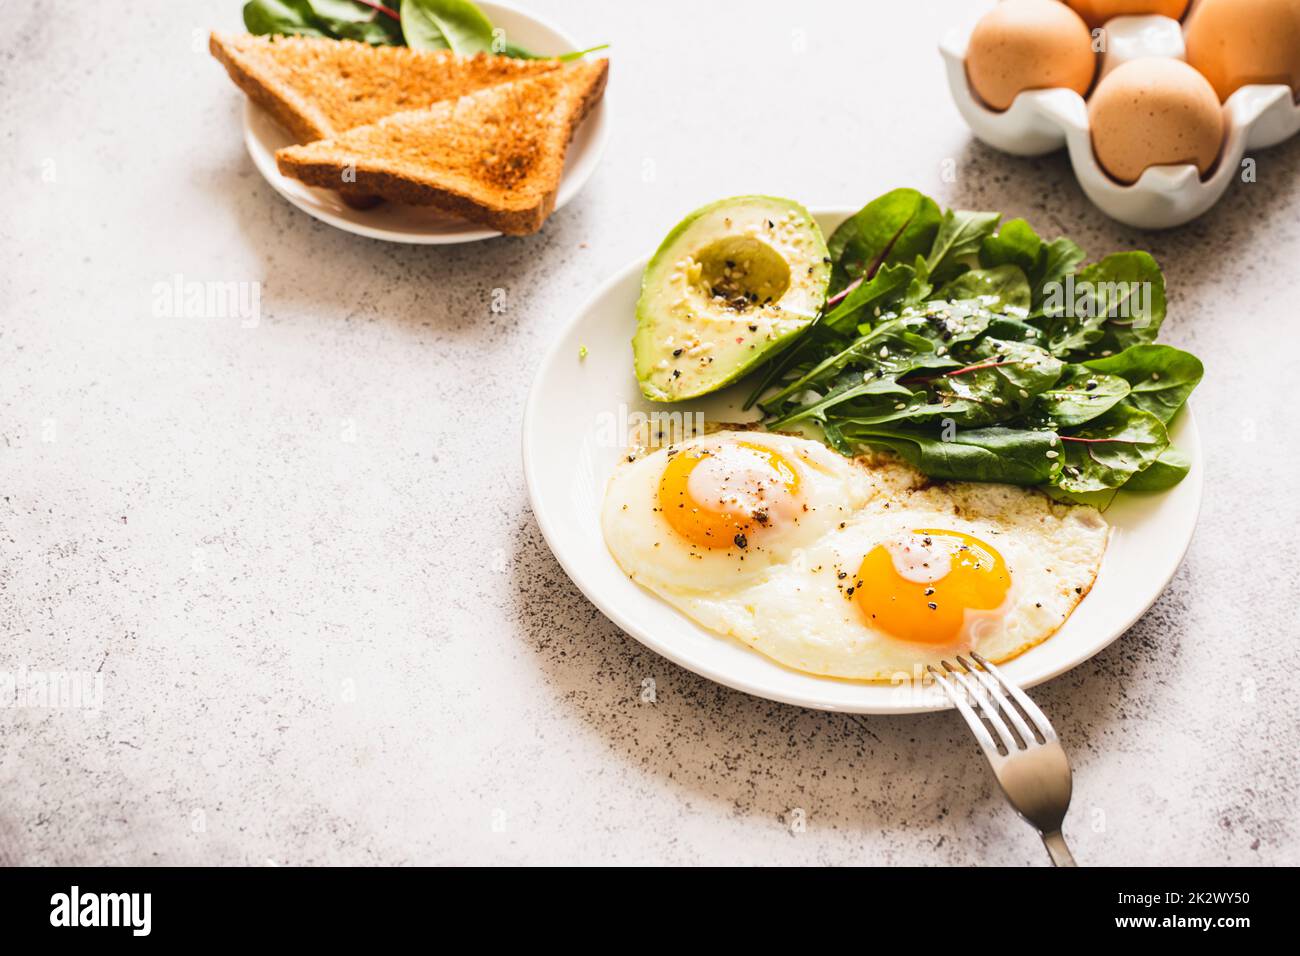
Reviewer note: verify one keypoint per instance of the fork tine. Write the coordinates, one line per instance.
(1041, 724)
(976, 725)
(989, 711)
(1000, 699)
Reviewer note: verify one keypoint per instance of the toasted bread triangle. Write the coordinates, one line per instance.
(317, 88)
(492, 157)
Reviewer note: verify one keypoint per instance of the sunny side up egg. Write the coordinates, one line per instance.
(850, 569)
(716, 514)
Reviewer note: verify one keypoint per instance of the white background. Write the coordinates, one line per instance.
(301, 557)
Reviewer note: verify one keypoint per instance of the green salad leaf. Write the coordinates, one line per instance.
(457, 25)
(1160, 377)
(1166, 471)
(1108, 451)
(977, 350)
(1079, 396)
(1003, 288)
(960, 235)
(896, 228)
(287, 17)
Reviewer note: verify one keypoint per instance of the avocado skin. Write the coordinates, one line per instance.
(813, 285)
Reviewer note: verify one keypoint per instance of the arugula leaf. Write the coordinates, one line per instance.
(895, 228)
(890, 279)
(1000, 288)
(868, 401)
(891, 349)
(961, 233)
(456, 25)
(920, 288)
(1161, 376)
(1110, 450)
(1079, 396)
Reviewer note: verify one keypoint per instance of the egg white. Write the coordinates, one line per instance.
(645, 546)
(788, 602)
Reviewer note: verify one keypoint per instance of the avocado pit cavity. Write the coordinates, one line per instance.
(742, 272)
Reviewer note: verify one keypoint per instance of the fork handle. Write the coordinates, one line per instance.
(1056, 848)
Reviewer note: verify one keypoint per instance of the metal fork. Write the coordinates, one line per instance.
(1029, 763)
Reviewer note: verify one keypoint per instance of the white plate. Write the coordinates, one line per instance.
(576, 403)
(416, 224)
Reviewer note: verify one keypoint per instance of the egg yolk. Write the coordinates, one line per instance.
(722, 497)
(920, 587)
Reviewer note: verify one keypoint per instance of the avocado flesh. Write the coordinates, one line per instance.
(729, 286)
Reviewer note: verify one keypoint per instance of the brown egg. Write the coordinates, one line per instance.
(1097, 12)
(1029, 45)
(1236, 43)
(1154, 112)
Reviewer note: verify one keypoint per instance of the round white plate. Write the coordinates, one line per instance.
(576, 404)
(416, 224)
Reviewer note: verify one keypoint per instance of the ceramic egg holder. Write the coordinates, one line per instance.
(1041, 121)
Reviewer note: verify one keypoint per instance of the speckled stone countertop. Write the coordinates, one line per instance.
(298, 558)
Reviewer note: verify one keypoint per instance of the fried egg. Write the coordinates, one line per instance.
(858, 569)
(712, 515)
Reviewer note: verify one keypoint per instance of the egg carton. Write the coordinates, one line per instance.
(1042, 121)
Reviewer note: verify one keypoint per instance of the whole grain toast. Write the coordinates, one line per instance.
(318, 88)
(492, 157)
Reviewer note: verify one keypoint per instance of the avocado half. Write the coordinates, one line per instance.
(731, 285)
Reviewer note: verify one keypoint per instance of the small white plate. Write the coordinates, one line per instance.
(577, 403)
(417, 224)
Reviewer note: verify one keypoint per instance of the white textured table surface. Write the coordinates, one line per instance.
(300, 554)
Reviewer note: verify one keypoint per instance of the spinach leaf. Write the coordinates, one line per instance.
(999, 385)
(1079, 396)
(1110, 450)
(348, 20)
(1009, 455)
(1161, 377)
(961, 233)
(894, 228)
(1166, 471)
(1106, 307)
(1016, 244)
(1062, 259)
(1000, 288)
(1018, 368)
(288, 17)
(1045, 264)
(456, 25)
